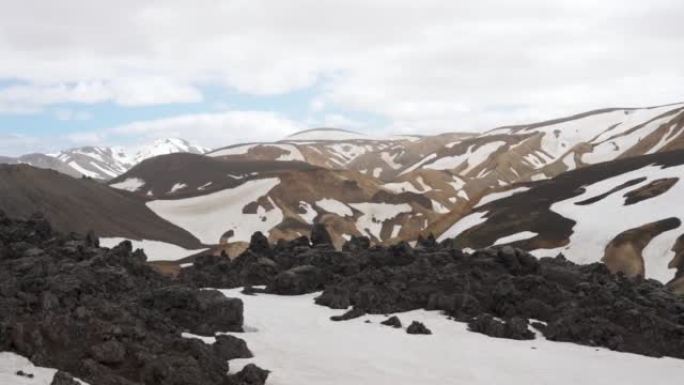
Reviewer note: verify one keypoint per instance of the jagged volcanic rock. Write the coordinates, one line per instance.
(514, 328)
(106, 317)
(320, 235)
(62, 378)
(417, 328)
(351, 314)
(584, 304)
(392, 321)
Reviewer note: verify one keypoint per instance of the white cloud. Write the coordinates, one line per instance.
(15, 144)
(66, 114)
(210, 130)
(338, 121)
(89, 138)
(429, 65)
(123, 91)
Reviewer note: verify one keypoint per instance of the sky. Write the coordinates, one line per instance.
(217, 72)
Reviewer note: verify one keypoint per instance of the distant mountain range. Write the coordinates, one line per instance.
(559, 186)
(103, 162)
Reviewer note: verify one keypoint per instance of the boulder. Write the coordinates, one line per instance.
(298, 280)
(109, 353)
(320, 235)
(259, 244)
(418, 328)
(515, 328)
(250, 375)
(351, 314)
(393, 321)
(229, 347)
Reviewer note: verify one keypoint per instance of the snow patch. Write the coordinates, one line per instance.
(500, 195)
(515, 237)
(590, 236)
(439, 208)
(474, 156)
(83, 171)
(177, 187)
(389, 159)
(309, 212)
(400, 187)
(375, 214)
(155, 250)
(336, 207)
(208, 217)
(11, 363)
(130, 184)
(464, 224)
(295, 339)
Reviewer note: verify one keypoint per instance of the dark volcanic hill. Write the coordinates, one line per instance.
(81, 205)
(183, 174)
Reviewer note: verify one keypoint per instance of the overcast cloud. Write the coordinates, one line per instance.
(422, 66)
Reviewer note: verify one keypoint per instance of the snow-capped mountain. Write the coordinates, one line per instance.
(96, 162)
(381, 158)
(165, 147)
(388, 189)
(42, 161)
(104, 163)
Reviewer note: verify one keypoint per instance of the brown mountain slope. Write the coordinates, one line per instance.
(625, 212)
(223, 200)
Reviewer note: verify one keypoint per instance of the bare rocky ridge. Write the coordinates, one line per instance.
(499, 291)
(104, 316)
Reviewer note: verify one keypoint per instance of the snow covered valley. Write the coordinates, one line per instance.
(297, 341)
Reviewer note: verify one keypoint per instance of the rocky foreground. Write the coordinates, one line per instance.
(105, 317)
(501, 292)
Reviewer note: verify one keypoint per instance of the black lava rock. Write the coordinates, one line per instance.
(108, 318)
(21, 373)
(250, 375)
(584, 304)
(392, 321)
(417, 328)
(62, 378)
(298, 280)
(229, 347)
(356, 244)
(351, 314)
(514, 328)
(320, 235)
(259, 244)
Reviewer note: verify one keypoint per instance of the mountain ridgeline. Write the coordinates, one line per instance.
(597, 186)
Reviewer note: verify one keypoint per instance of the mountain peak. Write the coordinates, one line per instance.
(327, 133)
(165, 146)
